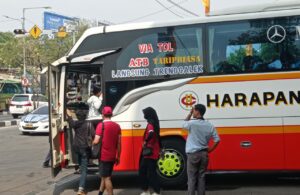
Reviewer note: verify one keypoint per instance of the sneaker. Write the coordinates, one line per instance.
(145, 193)
(154, 193)
(46, 165)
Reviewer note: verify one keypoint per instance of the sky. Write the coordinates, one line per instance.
(114, 11)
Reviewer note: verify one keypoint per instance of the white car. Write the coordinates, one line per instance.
(21, 104)
(36, 121)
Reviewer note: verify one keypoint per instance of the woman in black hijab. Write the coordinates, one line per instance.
(150, 153)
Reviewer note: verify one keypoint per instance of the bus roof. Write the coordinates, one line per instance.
(10, 81)
(257, 8)
(277, 9)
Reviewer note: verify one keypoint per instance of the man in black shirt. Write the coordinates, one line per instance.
(81, 145)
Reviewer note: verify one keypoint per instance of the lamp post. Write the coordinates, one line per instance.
(24, 41)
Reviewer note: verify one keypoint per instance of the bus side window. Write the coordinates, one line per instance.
(244, 46)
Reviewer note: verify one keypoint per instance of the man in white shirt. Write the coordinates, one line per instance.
(94, 103)
(197, 149)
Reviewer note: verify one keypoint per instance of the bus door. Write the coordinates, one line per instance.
(291, 140)
(56, 126)
(249, 147)
(61, 96)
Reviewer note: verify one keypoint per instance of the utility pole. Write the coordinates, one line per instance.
(24, 40)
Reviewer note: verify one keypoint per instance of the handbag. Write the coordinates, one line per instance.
(96, 149)
(147, 151)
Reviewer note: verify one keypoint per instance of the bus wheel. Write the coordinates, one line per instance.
(15, 116)
(172, 168)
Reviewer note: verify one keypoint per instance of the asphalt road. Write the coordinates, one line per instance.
(21, 174)
(21, 160)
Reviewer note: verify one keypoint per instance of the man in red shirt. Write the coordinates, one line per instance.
(110, 149)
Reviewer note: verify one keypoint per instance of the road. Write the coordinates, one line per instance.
(21, 160)
(21, 173)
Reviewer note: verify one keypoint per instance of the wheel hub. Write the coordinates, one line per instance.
(171, 164)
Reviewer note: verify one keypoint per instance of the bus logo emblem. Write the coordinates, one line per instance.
(276, 34)
(188, 99)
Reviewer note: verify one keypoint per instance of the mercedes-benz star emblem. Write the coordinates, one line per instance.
(276, 34)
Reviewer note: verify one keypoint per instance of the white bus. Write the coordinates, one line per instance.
(244, 67)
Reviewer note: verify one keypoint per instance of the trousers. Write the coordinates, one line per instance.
(148, 174)
(196, 167)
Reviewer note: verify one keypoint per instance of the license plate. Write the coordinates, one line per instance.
(19, 106)
(29, 125)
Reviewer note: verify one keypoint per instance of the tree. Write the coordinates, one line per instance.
(236, 58)
(43, 50)
(10, 50)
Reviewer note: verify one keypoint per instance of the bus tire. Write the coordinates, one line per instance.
(15, 116)
(172, 169)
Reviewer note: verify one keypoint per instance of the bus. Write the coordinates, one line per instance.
(7, 89)
(244, 67)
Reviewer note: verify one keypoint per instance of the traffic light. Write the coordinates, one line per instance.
(19, 31)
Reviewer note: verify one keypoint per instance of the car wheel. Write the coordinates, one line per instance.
(15, 116)
(172, 168)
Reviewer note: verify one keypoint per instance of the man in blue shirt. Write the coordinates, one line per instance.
(197, 149)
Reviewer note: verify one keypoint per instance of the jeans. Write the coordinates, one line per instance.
(148, 174)
(82, 156)
(196, 166)
(47, 159)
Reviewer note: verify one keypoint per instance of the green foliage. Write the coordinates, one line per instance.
(41, 51)
(269, 52)
(237, 57)
(10, 50)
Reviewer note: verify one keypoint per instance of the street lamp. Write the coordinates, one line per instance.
(23, 27)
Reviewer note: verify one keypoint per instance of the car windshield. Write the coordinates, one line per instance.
(20, 98)
(42, 110)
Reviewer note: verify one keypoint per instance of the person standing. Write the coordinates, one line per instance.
(147, 170)
(94, 103)
(110, 149)
(47, 160)
(197, 149)
(80, 145)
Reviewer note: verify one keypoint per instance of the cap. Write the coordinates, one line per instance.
(107, 110)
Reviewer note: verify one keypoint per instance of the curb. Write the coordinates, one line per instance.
(9, 123)
(4, 113)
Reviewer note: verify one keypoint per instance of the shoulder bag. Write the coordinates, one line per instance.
(89, 137)
(147, 151)
(96, 149)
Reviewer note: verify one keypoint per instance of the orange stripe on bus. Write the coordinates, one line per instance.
(292, 129)
(250, 130)
(248, 77)
(222, 130)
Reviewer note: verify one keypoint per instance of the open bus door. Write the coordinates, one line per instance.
(60, 135)
(57, 135)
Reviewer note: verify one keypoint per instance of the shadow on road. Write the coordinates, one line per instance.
(221, 182)
(129, 183)
(35, 134)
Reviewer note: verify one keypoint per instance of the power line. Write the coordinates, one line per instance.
(152, 13)
(182, 8)
(168, 9)
(5, 21)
